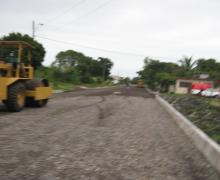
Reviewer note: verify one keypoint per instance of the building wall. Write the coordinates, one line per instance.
(179, 89)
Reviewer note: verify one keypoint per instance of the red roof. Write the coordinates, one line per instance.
(201, 86)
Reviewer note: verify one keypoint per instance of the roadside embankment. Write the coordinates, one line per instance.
(203, 112)
(188, 105)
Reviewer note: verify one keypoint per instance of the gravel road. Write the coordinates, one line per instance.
(105, 134)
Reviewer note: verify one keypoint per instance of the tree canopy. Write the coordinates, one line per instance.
(187, 63)
(159, 75)
(162, 74)
(66, 59)
(38, 52)
(84, 67)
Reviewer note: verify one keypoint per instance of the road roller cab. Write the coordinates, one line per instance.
(140, 83)
(17, 84)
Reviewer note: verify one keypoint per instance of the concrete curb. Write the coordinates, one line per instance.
(209, 148)
(150, 92)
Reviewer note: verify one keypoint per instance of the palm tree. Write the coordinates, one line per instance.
(187, 63)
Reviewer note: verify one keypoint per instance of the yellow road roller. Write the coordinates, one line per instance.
(140, 83)
(18, 88)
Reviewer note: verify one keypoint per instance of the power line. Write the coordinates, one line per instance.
(85, 15)
(90, 47)
(101, 49)
(92, 11)
(65, 12)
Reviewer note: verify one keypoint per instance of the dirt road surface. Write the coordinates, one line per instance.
(104, 134)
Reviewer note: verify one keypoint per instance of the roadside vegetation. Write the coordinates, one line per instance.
(72, 69)
(202, 111)
(160, 75)
(69, 69)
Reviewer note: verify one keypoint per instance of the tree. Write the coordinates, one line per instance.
(135, 80)
(105, 66)
(207, 65)
(38, 52)
(210, 66)
(158, 74)
(165, 80)
(126, 81)
(87, 68)
(66, 59)
(187, 63)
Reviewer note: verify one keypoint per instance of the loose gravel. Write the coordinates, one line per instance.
(98, 135)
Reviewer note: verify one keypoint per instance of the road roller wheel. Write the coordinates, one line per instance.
(32, 85)
(16, 97)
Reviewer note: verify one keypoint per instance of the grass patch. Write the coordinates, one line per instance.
(63, 86)
(215, 102)
(216, 137)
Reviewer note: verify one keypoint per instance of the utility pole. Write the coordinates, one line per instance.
(33, 29)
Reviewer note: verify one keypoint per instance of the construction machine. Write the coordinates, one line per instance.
(18, 88)
(140, 83)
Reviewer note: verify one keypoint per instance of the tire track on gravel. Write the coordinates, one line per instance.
(72, 108)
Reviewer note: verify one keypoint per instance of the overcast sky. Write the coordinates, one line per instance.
(162, 29)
